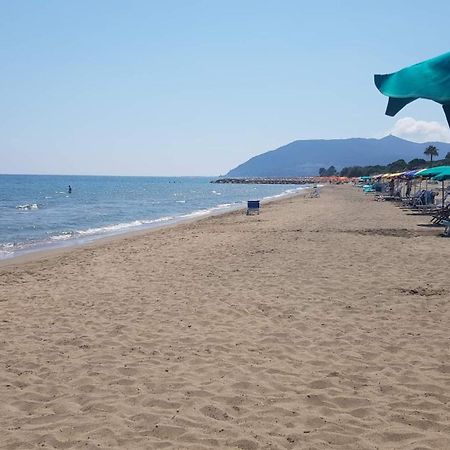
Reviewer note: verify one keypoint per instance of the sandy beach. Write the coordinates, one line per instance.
(320, 323)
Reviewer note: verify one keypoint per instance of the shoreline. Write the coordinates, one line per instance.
(320, 323)
(62, 247)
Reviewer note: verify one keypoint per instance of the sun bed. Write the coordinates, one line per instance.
(252, 207)
(441, 215)
(423, 201)
(314, 192)
(447, 227)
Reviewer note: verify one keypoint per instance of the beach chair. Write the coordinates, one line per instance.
(388, 197)
(441, 215)
(252, 207)
(314, 192)
(447, 227)
(412, 201)
(423, 202)
(427, 204)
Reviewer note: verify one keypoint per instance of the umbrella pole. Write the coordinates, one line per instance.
(443, 190)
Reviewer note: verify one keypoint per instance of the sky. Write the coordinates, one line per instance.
(196, 87)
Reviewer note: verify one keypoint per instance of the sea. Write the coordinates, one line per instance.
(38, 212)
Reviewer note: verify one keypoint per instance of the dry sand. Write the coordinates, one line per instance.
(321, 323)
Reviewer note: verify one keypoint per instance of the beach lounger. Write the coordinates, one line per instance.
(441, 215)
(387, 196)
(314, 193)
(413, 200)
(424, 202)
(447, 227)
(368, 188)
(427, 208)
(252, 207)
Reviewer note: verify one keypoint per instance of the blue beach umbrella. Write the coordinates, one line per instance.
(409, 173)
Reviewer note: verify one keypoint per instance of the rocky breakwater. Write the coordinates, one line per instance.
(293, 180)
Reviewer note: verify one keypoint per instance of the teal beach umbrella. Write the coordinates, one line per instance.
(442, 176)
(430, 173)
(429, 79)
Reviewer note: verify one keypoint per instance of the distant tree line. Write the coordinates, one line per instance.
(330, 172)
(397, 166)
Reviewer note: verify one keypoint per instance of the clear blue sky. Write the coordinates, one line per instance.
(196, 87)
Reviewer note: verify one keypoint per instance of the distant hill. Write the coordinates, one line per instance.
(303, 158)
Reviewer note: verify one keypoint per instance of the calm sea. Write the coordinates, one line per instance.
(36, 211)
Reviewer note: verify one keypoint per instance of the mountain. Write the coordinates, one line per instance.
(303, 158)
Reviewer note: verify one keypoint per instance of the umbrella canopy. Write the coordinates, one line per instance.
(443, 175)
(396, 174)
(429, 79)
(429, 173)
(409, 173)
(392, 175)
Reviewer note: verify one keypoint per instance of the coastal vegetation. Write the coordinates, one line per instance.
(431, 151)
(399, 165)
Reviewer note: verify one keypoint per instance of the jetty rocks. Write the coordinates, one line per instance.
(292, 180)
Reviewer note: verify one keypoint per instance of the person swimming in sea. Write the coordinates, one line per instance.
(70, 189)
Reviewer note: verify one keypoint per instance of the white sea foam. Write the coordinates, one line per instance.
(7, 250)
(64, 236)
(119, 227)
(28, 206)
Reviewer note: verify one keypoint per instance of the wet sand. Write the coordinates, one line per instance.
(320, 323)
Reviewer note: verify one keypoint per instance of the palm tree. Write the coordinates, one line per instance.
(431, 150)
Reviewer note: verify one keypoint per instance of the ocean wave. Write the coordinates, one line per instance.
(114, 228)
(7, 250)
(63, 236)
(28, 206)
(110, 228)
(7, 246)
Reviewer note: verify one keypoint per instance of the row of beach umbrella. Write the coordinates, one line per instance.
(435, 173)
(440, 173)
